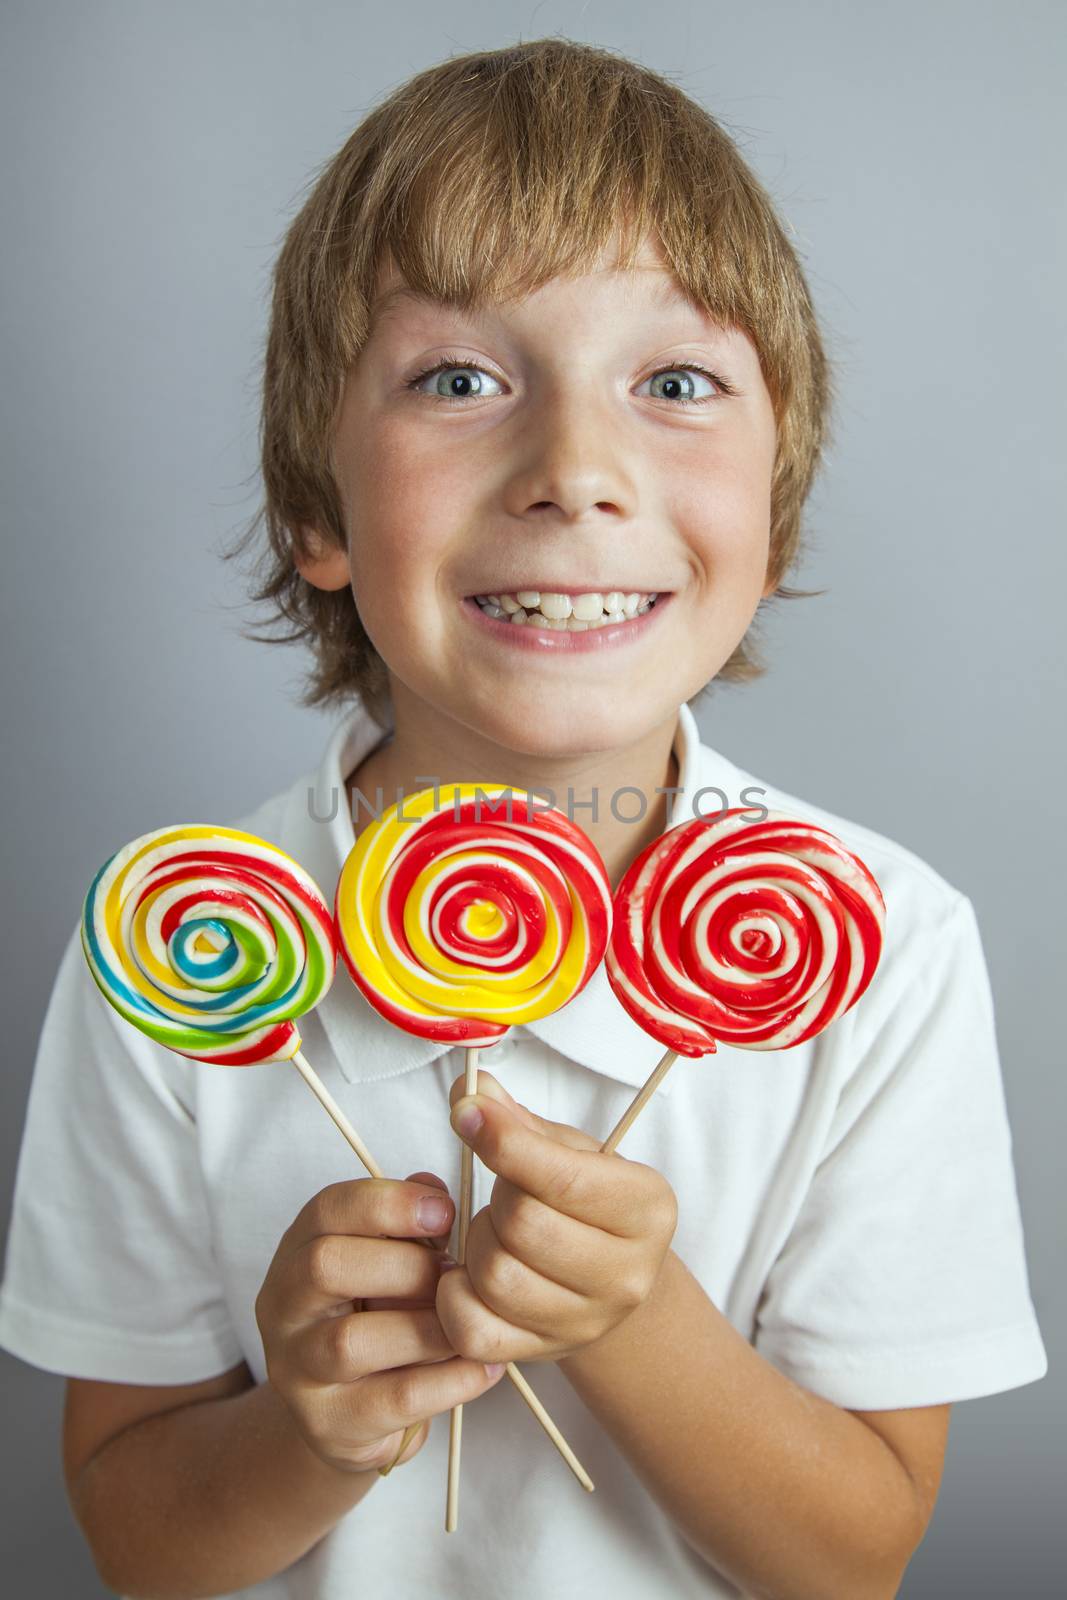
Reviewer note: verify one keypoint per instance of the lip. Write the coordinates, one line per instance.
(554, 641)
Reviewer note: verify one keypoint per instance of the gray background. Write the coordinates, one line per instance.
(152, 157)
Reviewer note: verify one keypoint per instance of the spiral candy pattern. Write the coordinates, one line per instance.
(210, 941)
(751, 933)
(466, 909)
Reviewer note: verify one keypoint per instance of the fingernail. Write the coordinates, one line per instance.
(446, 1263)
(432, 1212)
(494, 1368)
(467, 1118)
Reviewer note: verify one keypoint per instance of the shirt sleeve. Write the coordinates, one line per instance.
(903, 1281)
(109, 1271)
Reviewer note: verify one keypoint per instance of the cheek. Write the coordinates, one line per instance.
(722, 505)
(398, 498)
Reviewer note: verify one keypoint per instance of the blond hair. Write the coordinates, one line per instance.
(482, 178)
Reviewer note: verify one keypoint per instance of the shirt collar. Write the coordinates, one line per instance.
(592, 1029)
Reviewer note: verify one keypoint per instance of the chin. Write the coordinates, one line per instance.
(542, 723)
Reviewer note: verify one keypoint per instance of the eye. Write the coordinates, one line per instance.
(469, 386)
(688, 367)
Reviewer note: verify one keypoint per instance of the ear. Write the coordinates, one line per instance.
(322, 564)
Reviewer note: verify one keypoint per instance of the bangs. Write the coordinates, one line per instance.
(522, 169)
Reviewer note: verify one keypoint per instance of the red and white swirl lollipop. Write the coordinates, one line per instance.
(735, 930)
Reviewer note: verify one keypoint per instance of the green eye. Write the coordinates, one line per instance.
(450, 364)
(688, 367)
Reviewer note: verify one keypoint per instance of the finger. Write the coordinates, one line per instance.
(394, 1400)
(333, 1268)
(581, 1183)
(492, 1087)
(516, 1292)
(438, 1240)
(566, 1252)
(345, 1349)
(373, 1208)
(488, 1085)
(479, 1333)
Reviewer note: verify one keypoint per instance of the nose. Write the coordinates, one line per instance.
(571, 459)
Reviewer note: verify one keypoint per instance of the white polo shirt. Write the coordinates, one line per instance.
(849, 1204)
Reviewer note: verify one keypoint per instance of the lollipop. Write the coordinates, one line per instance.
(212, 942)
(462, 911)
(752, 933)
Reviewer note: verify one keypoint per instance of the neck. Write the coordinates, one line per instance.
(425, 748)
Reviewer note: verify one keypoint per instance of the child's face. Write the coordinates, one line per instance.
(574, 460)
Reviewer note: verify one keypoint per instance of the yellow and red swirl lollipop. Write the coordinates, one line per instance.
(744, 931)
(210, 941)
(462, 911)
(466, 909)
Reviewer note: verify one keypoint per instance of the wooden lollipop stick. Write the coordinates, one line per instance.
(638, 1103)
(466, 1186)
(329, 1104)
(333, 1110)
(466, 1162)
(531, 1400)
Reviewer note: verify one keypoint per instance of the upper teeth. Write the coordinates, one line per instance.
(574, 612)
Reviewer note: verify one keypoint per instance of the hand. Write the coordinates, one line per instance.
(346, 1313)
(570, 1244)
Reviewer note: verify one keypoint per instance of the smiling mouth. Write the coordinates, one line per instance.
(566, 612)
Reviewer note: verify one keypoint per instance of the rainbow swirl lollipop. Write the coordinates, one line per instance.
(211, 942)
(464, 910)
(736, 931)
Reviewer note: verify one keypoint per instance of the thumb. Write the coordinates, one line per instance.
(493, 1090)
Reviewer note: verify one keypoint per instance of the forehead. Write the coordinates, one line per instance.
(649, 281)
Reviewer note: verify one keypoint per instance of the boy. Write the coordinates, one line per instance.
(544, 396)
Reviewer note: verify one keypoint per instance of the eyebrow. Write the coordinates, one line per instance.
(393, 297)
(401, 292)
(668, 295)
